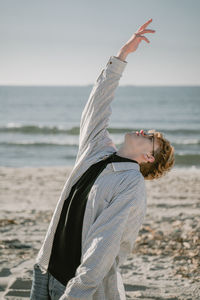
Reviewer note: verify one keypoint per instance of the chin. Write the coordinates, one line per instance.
(128, 135)
(131, 134)
(130, 138)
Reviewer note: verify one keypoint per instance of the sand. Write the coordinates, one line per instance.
(165, 263)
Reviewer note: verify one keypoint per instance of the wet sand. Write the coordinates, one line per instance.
(165, 263)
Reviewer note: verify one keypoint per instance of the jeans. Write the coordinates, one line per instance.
(45, 286)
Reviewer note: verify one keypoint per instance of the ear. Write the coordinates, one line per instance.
(148, 157)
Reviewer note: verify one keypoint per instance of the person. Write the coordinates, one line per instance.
(103, 202)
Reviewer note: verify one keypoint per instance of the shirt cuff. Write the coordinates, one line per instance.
(116, 65)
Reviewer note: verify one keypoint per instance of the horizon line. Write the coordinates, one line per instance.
(92, 84)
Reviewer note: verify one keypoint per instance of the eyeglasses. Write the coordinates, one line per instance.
(151, 135)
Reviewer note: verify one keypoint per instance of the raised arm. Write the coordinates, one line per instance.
(95, 116)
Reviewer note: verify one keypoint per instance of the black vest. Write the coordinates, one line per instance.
(66, 249)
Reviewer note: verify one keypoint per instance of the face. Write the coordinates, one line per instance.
(140, 144)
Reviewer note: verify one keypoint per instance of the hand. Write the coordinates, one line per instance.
(132, 44)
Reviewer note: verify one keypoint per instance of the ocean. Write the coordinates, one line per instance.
(39, 125)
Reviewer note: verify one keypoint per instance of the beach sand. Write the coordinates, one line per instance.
(165, 263)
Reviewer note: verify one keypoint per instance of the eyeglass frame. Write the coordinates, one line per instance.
(151, 135)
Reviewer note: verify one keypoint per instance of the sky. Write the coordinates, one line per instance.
(45, 42)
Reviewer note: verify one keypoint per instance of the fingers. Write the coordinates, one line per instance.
(145, 24)
(143, 30)
(147, 31)
(144, 38)
(141, 37)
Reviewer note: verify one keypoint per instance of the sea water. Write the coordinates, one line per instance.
(39, 126)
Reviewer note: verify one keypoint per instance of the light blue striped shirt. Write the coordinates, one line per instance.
(116, 204)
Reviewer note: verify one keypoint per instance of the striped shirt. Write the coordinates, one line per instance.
(116, 204)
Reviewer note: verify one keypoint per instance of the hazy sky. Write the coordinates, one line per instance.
(45, 42)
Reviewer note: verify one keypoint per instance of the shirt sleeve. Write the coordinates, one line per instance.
(102, 244)
(96, 113)
(135, 220)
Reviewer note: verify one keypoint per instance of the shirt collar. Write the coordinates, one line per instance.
(122, 166)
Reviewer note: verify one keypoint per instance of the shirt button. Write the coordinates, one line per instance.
(110, 62)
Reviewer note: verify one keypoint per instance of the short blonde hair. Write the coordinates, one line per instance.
(164, 159)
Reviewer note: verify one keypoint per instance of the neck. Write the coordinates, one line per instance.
(124, 153)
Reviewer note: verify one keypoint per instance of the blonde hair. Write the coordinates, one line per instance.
(164, 159)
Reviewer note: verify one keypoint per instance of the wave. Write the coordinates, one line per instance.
(186, 154)
(38, 144)
(39, 129)
(185, 142)
(54, 129)
(187, 159)
(67, 142)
